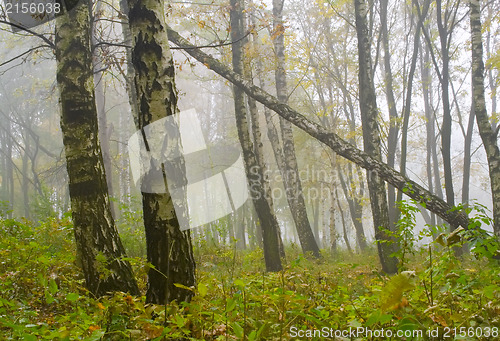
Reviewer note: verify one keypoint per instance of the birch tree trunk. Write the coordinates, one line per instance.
(169, 249)
(99, 249)
(290, 171)
(488, 135)
(255, 174)
(371, 140)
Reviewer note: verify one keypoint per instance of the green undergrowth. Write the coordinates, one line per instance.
(42, 295)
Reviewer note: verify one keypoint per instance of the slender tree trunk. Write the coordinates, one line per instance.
(407, 105)
(104, 129)
(371, 140)
(129, 76)
(255, 175)
(9, 170)
(169, 249)
(492, 81)
(99, 248)
(344, 227)
(240, 223)
(290, 171)
(433, 171)
(356, 210)
(445, 36)
(391, 103)
(488, 135)
(333, 229)
(25, 180)
(467, 157)
(259, 154)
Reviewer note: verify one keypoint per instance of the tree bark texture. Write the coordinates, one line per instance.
(355, 209)
(169, 249)
(98, 245)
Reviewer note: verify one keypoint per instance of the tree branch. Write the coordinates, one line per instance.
(41, 36)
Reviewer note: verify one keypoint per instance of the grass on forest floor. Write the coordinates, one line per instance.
(42, 296)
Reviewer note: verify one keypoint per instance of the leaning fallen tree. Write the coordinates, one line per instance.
(330, 139)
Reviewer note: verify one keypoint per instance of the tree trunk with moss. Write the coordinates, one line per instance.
(99, 249)
(169, 249)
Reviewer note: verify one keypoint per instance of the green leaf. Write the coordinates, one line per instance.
(72, 297)
(48, 297)
(440, 239)
(489, 291)
(239, 283)
(178, 285)
(29, 337)
(238, 330)
(252, 336)
(96, 335)
(231, 304)
(373, 319)
(394, 289)
(52, 286)
(202, 289)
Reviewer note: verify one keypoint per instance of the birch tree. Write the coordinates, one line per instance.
(99, 249)
(488, 134)
(169, 250)
(254, 171)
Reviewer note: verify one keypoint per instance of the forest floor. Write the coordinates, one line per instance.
(343, 297)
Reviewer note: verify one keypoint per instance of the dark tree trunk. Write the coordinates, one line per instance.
(356, 211)
(445, 37)
(392, 139)
(433, 179)
(371, 140)
(99, 249)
